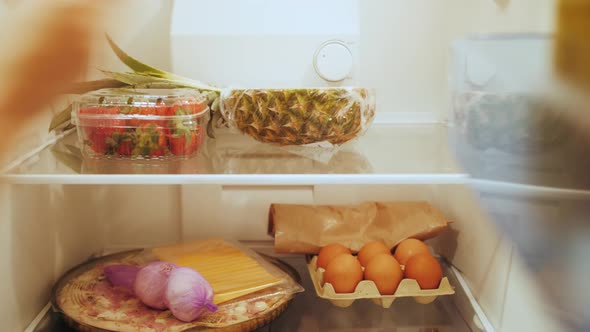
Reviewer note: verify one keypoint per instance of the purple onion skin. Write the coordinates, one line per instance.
(121, 275)
(150, 284)
(188, 294)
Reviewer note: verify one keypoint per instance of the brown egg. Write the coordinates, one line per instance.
(408, 248)
(371, 249)
(344, 273)
(425, 269)
(385, 272)
(330, 251)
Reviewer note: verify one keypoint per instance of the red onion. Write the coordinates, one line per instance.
(151, 283)
(162, 285)
(121, 275)
(188, 294)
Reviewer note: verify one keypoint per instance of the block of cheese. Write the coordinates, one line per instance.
(230, 271)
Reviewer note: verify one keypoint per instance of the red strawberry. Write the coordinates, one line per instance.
(97, 142)
(152, 111)
(182, 145)
(157, 153)
(131, 111)
(199, 107)
(101, 127)
(151, 140)
(158, 110)
(179, 108)
(191, 106)
(187, 143)
(125, 148)
(98, 117)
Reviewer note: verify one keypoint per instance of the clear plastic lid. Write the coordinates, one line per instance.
(176, 102)
(141, 123)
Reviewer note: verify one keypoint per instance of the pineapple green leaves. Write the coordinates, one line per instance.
(141, 79)
(83, 87)
(147, 71)
(134, 64)
(143, 76)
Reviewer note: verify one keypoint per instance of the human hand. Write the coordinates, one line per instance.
(46, 46)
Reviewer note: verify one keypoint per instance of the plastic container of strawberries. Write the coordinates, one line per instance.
(150, 124)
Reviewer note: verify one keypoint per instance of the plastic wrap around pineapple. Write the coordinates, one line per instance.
(331, 116)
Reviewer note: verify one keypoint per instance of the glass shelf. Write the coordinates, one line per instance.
(307, 312)
(386, 154)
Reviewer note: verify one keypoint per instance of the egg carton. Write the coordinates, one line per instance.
(367, 289)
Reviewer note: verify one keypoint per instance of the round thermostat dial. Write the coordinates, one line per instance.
(333, 61)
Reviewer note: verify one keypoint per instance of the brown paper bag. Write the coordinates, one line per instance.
(307, 228)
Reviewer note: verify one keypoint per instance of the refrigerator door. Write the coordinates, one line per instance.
(528, 159)
(507, 124)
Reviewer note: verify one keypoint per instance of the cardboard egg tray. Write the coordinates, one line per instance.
(367, 289)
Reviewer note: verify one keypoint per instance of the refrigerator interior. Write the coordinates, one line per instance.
(57, 212)
(70, 223)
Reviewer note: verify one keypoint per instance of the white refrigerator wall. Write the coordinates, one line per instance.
(404, 45)
(47, 229)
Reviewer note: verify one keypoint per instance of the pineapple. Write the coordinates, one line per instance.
(299, 116)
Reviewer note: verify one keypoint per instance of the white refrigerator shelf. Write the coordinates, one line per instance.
(458, 313)
(386, 154)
